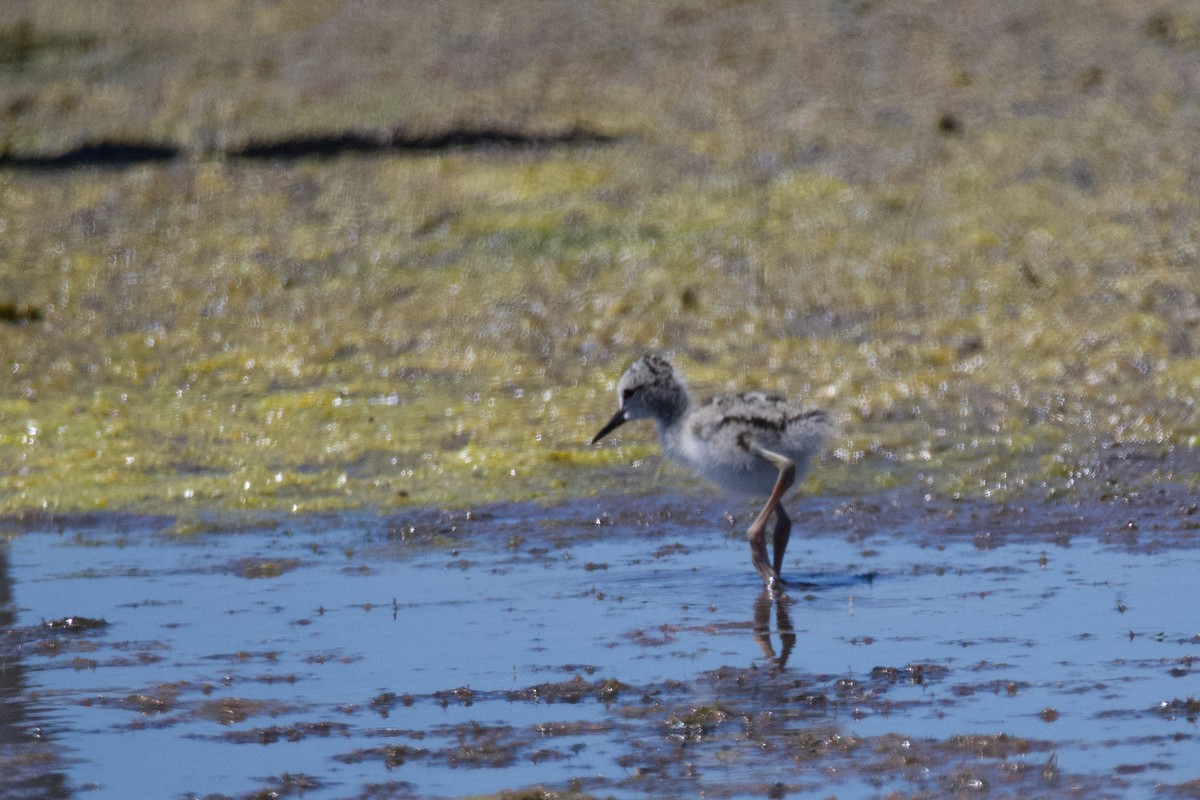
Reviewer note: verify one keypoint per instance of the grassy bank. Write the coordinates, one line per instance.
(970, 232)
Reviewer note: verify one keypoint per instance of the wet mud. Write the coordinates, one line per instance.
(610, 647)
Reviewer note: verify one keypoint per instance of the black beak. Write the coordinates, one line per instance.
(617, 421)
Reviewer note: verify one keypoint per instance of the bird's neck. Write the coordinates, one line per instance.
(672, 410)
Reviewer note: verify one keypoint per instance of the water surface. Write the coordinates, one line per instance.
(615, 646)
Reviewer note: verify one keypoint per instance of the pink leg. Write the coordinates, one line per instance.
(757, 534)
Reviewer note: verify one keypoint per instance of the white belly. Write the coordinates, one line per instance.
(724, 463)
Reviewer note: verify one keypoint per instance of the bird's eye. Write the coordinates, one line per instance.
(626, 394)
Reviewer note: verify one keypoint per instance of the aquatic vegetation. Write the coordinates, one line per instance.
(214, 379)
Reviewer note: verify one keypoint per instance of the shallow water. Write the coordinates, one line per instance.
(615, 646)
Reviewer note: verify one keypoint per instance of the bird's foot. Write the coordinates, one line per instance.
(775, 586)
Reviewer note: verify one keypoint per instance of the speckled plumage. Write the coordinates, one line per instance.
(752, 443)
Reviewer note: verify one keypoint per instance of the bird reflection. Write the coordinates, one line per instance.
(762, 626)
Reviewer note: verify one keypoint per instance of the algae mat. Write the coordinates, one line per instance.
(313, 256)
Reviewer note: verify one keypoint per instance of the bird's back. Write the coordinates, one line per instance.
(718, 438)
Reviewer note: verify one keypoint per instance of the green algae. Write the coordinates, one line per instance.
(987, 310)
(440, 384)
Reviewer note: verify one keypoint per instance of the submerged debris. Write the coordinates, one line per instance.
(287, 733)
(573, 691)
(76, 624)
(1189, 709)
(264, 567)
(231, 710)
